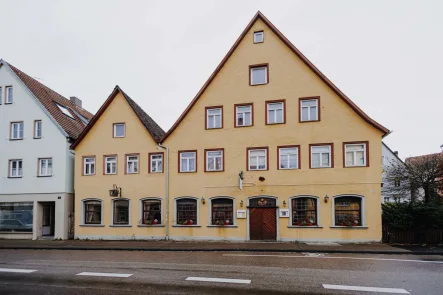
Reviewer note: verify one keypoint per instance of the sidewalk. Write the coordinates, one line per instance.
(373, 248)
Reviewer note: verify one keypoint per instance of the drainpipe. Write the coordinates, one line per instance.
(166, 190)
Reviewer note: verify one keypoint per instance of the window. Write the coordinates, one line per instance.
(121, 212)
(356, 154)
(258, 158)
(151, 212)
(321, 156)
(155, 162)
(186, 211)
(258, 75)
(222, 211)
(111, 164)
(65, 111)
(348, 211)
(214, 160)
(131, 164)
(88, 165)
(37, 129)
(16, 130)
(119, 130)
(289, 157)
(9, 94)
(214, 117)
(1, 95)
(16, 217)
(275, 112)
(386, 200)
(93, 212)
(244, 115)
(45, 167)
(309, 109)
(304, 211)
(258, 37)
(188, 161)
(15, 168)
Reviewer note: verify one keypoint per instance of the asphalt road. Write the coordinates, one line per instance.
(134, 272)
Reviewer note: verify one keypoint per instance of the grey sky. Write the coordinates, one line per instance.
(387, 56)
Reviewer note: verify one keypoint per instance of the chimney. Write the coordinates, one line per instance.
(76, 101)
(395, 153)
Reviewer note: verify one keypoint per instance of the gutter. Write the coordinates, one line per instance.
(166, 190)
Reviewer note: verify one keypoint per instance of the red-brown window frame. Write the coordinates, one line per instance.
(285, 147)
(235, 114)
(253, 37)
(355, 142)
(300, 108)
(223, 159)
(126, 163)
(149, 161)
(321, 144)
(180, 162)
(206, 117)
(116, 164)
(258, 66)
(257, 148)
(284, 111)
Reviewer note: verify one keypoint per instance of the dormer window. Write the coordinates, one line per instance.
(258, 75)
(259, 37)
(65, 111)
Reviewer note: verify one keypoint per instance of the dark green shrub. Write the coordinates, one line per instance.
(415, 214)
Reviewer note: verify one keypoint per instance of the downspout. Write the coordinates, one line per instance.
(166, 191)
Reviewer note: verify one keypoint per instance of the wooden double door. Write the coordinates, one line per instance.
(263, 223)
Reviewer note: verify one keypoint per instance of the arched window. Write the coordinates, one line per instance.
(121, 212)
(151, 211)
(92, 211)
(304, 211)
(222, 211)
(186, 211)
(348, 211)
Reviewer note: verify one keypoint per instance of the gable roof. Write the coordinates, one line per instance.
(390, 150)
(49, 99)
(297, 52)
(153, 128)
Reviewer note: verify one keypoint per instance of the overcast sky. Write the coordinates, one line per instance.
(387, 56)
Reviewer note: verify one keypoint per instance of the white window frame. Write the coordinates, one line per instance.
(82, 223)
(250, 112)
(113, 211)
(41, 161)
(309, 110)
(65, 111)
(215, 159)
(137, 161)
(234, 215)
(20, 130)
(257, 68)
(9, 98)
(259, 37)
(354, 156)
(115, 130)
(90, 164)
(249, 159)
(317, 199)
(1, 95)
(187, 161)
(19, 172)
(110, 160)
(38, 129)
(296, 154)
(158, 163)
(321, 153)
(362, 209)
(214, 116)
(282, 107)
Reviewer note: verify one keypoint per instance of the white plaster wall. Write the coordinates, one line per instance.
(387, 159)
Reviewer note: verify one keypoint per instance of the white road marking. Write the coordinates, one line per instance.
(366, 289)
(335, 257)
(105, 274)
(16, 270)
(313, 254)
(218, 280)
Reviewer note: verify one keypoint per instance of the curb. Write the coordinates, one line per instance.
(86, 248)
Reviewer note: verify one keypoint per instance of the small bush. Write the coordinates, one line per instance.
(414, 214)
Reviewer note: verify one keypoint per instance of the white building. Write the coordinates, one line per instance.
(389, 157)
(37, 127)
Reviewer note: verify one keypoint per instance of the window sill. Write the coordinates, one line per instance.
(44, 175)
(233, 226)
(310, 121)
(185, 172)
(37, 138)
(211, 171)
(280, 123)
(14, 139)
(108, 174)
(152, 225)
(350, 227)
(289, 169)
(120, 225)
(321, 167)
(88, 174)
(356, 166)
(308, 226)
(160, 172)
(243, 126)
(132, 173)
(92, 225)
(215, 128)
(259, 84)
(13, 177)
(179, 225)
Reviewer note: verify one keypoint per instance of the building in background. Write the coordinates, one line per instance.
(390, 157)
(37, 127)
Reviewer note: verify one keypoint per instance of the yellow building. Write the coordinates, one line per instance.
(269, 149)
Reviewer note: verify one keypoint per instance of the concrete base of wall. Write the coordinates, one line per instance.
(20, 236)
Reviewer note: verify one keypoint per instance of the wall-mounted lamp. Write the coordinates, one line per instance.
(241, 203)
(284, 203)
(326, 198)
(203, 200)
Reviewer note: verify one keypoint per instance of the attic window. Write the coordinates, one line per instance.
(65, 111)
(258, 37)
